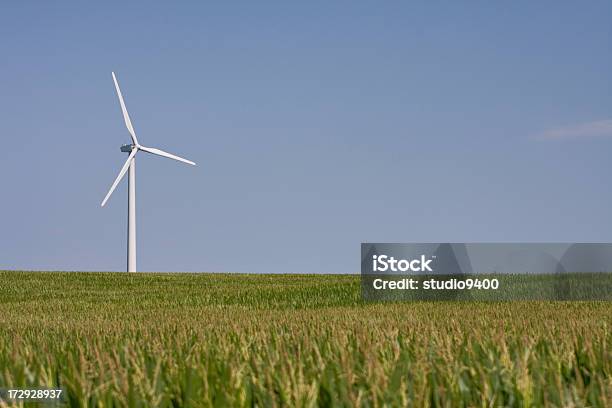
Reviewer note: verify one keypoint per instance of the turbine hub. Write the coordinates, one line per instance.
(127, 148)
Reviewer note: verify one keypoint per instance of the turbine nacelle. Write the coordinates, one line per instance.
(127, 148)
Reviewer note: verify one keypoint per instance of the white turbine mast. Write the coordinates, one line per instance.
(130, 163)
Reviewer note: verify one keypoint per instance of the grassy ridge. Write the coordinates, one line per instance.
(273, 340)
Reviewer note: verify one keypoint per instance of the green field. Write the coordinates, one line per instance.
(113, 339)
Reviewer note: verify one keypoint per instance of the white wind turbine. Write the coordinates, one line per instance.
(130, 163)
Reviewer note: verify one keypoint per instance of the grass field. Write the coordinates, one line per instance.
(292, 340)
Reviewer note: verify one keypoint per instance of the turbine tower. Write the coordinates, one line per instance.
(130, 164)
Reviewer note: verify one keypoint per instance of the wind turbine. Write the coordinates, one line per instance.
(130, 163)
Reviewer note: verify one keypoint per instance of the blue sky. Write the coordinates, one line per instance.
(315, 125)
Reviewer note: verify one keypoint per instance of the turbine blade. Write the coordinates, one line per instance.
(120, 176)
(126, 116)
(165, 154)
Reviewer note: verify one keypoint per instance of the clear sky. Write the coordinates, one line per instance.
(315, 125)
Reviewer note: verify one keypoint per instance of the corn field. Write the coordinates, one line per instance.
(203, 340)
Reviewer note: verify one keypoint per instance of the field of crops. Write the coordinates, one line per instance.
(111, 339)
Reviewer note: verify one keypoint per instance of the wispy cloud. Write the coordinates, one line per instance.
(598, 128)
